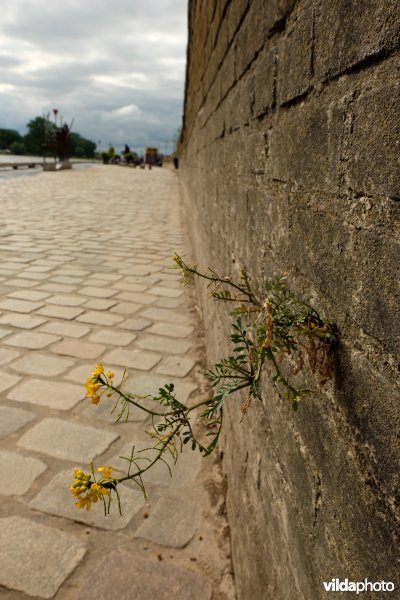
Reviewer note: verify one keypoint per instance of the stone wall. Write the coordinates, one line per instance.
(290, 163)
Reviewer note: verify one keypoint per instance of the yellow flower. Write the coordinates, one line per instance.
(96, 491)
(91, 391)
(110, 375)
(106, 472)
(85, 490)
(84, 502)
(99, 370)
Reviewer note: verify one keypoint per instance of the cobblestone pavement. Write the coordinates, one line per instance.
(83, 279)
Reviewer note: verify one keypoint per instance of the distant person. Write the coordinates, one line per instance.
(176, 162)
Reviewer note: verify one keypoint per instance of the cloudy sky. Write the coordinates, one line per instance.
(116, 67)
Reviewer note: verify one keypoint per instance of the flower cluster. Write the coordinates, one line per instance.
(88, 491)
(95, 381)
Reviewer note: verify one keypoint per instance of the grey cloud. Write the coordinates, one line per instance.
(95, 61)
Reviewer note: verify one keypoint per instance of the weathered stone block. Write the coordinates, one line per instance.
(264, 81)
(356, 253)
(250, 37)
(374, 164)
(303, 146)
(294, 59)
(227, 72)
(349, 32)
(234, 16)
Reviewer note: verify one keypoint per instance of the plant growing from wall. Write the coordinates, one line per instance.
(265, 329)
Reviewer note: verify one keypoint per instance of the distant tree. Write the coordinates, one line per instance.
(18, 148)
(35, 140)
(8, 137)
(44, 137)
(82, 147)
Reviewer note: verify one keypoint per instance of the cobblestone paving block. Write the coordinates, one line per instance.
(178, 331)
(54, 394)
(178, 366)
(37, 269)
(173, 523)
(21, 283)
(163, 314)
(164, 344)
(11, 266)
(78, 349)
(20, 306)
(57, 287)
(114, 337)
(35, 276)
(13, 419)
(67, 280)
(169, 292)
(136, 359)
(183, 472)
(34, 558)
(32, 295)
(60, 312)
(7, 380)
(126, 308)
(7, 356)
(56, 499)
(32, 340)
(150, 384)
(73, 272)
(4, 332)
(109, 276)
(22, 321)
(135, 324)
(68, 441)
(140, 298)
(46, 365)
(123, 576)
(164, 302)
(99, 304)
(69, 329)
(97, 292)
(129, 287)
(66, 300)
(18, 472)
(99, 318)
(92, 282)
(140, 270)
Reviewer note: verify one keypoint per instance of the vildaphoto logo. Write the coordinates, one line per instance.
(344, 585)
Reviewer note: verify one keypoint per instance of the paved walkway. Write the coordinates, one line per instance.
(83, 279)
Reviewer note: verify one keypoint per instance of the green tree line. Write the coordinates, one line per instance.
(34, 142)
